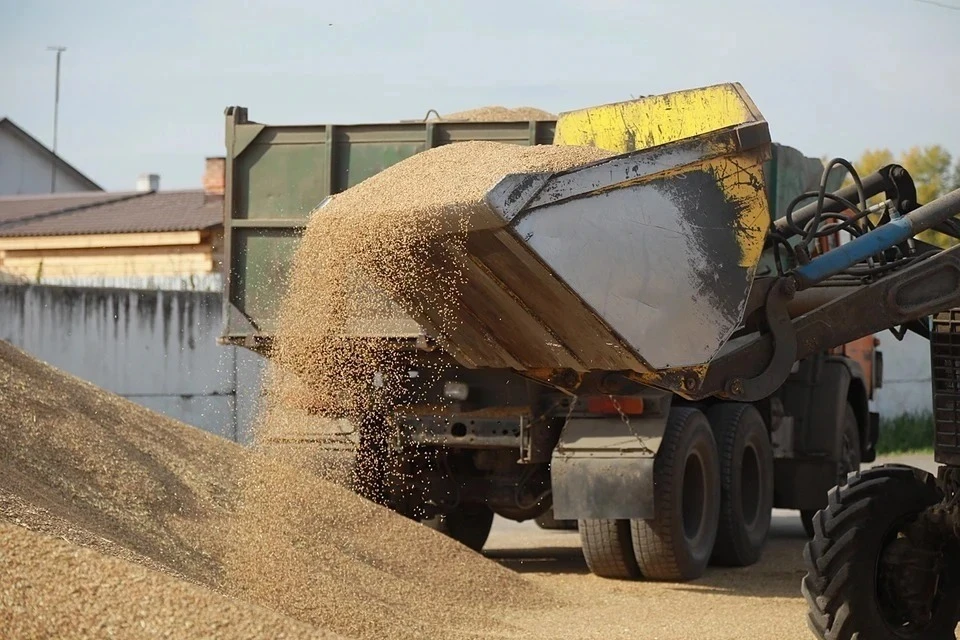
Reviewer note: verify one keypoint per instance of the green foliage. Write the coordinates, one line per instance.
(905, 433)
(931, 170)
(929, 167)
(871, 160)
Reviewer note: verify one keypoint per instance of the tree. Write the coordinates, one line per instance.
(873, 159)
(931, 172)
(930, 168)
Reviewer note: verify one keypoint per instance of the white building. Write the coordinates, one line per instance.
(27, 166)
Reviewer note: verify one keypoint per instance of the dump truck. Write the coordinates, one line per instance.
(645, 346)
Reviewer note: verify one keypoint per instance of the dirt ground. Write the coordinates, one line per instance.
(762, 601)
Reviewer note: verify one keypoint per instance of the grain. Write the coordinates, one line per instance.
(94, 467)
(147, 508)
(99, 472)
(500, 114)
(401, 228)
(361, 253)
(318, 553)
(51, 588)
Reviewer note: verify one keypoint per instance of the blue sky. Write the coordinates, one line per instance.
(144, 85)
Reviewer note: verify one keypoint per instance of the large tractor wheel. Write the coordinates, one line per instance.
(607, 548)
(865, 578)
(849, 460)
(746, 483)
(677, 543)
(468, 524)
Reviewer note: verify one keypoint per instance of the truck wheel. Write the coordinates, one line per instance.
(849, 460)
(746, 483)
(468, 524)
(676, 544)
(607, 548)
(860, 567)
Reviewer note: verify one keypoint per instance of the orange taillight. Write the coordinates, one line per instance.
(628, 405)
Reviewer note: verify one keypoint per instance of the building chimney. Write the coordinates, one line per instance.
(214, 176)
(148, 182)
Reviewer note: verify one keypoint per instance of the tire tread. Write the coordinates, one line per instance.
(653, 540)
(726, 419)
(831, 557)
(607, 548)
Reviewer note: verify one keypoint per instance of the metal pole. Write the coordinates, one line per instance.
(56, 112)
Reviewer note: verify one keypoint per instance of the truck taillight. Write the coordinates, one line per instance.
(615, 405)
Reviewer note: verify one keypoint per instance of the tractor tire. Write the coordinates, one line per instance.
(677, 542)
(468, 524)
(746, 483)
(607, 548)
(849, 590)
(849, 461)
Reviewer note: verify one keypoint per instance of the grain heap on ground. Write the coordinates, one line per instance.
(500, 114)
(160, 497)
(55, 589)
(79, 463)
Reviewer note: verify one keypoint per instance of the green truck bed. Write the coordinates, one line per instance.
(277, 175)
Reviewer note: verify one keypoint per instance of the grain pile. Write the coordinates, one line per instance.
(168, 513)
(315, 552)
(52, 588)
(91, 467)
(500, 114)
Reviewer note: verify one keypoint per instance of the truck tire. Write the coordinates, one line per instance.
(746, 483)
(844, 564)
(468, 524)
(677, 543)
(849, 460)
(607, 548)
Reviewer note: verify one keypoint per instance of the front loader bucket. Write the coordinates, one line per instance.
(642, 262)
(660, 246)
(639, 262)
(620, 127)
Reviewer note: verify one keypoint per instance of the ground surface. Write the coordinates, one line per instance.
(762, 601)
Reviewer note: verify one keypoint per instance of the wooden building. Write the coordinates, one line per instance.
(111, 235)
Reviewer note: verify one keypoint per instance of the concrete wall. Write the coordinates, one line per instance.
(156, 348)
(25, 171)
(907, 387)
